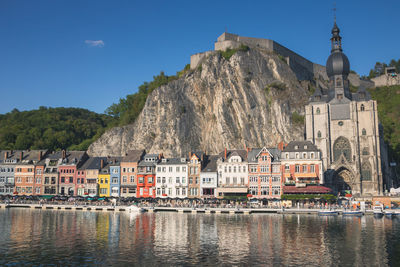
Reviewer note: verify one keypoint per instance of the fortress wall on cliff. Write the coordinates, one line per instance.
(303, 68)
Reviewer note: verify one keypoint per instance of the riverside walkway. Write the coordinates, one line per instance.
(208, 210)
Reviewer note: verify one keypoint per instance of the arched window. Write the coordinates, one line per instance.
(338, 81)
(319, 134)
(362, 107)
(318, 111)
(366, 171)
(364, 132)
(365, 151)
(342, 146)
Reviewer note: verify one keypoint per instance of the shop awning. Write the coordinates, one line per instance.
(311, 189)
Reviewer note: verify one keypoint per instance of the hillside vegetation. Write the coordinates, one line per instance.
(51, 128)
(388, 98)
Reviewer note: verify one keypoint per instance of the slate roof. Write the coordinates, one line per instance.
(275, 152)
(229, 153)
(93, 163)
(133, 156)
(171, 161)
(210, 164)
(291, 147)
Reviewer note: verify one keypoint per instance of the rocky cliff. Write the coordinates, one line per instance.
(246, 100)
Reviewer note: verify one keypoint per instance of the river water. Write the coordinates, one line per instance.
(82, 238)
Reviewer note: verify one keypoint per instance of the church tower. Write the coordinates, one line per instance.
(344, 126)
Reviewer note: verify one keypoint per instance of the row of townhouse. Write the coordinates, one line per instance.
(256, 172)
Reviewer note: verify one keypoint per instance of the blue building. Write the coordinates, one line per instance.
(115, 176)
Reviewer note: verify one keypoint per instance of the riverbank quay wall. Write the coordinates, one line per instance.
(233, 210)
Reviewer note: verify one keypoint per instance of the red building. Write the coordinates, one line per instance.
(146, 176)
(71, 161)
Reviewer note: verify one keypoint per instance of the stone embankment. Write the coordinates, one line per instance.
(206, 210)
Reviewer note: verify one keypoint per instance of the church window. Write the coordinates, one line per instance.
(319, 134)
(340, 123)
(342, 146)
(339, 96)
(364, 132)
(318, 111)
(365, 151)
(338, 82)
(366, 171)
(362, 107)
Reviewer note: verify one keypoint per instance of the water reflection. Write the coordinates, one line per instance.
(34, 237)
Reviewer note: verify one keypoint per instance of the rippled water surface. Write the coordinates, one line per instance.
(59, 238)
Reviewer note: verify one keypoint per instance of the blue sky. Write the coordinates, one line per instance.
(47, 57)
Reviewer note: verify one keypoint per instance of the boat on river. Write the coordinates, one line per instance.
(328, 212)
(352, 213)
(378, 211)
(134, 209)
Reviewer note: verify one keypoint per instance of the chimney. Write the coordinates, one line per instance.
(21, 156)
(190, 155)
(247, 153)
(40, 155)
(225, 153)
(6, 155)
(101, 163)
(63, 154)
(160, 156)
(202, 156)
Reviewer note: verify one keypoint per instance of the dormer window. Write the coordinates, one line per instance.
(305, 147)
(287, 155)
(317, 98)
(304, 155)
(296, 147)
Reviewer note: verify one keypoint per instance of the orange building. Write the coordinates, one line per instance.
(265, 173)
(25, 171)
(194, 169)
(129, 171)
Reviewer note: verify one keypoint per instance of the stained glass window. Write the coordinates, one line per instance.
(342, 146)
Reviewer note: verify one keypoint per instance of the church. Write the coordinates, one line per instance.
(345, 127)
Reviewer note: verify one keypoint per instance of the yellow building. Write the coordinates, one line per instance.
(104, 182)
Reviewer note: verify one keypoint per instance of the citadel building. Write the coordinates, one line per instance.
(345, 127)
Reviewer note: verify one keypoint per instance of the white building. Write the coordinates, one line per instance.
(209, 177)
(232, 173)
(172, 178)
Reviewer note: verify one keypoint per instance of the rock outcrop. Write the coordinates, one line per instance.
(247, 100)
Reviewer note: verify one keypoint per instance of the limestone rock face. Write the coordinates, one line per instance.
(247, 100)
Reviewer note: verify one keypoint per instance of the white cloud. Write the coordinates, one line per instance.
(95, 43)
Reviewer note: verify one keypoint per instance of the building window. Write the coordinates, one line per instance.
(132, 179)
(150, 180)
(362, 107)
(297, 168)
(141, 181)
(364, 132)
(312, 168)
(287, 168)
(103, 191)
(338, 81)
(312, 155)
(177, 180)
(254, 190)
(124, 179)
(264, 190)
(304, 168)
(366, 171)
(342, 146)
(319, 134)
(318, 111)
(276, 190)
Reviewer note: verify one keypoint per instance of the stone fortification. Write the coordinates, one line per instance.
(390, 77)
(303, 68)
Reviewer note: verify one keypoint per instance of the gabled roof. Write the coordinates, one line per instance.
(236, 152)
(210, 163)
(93, 163)
(255, 152)
(133, 156)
